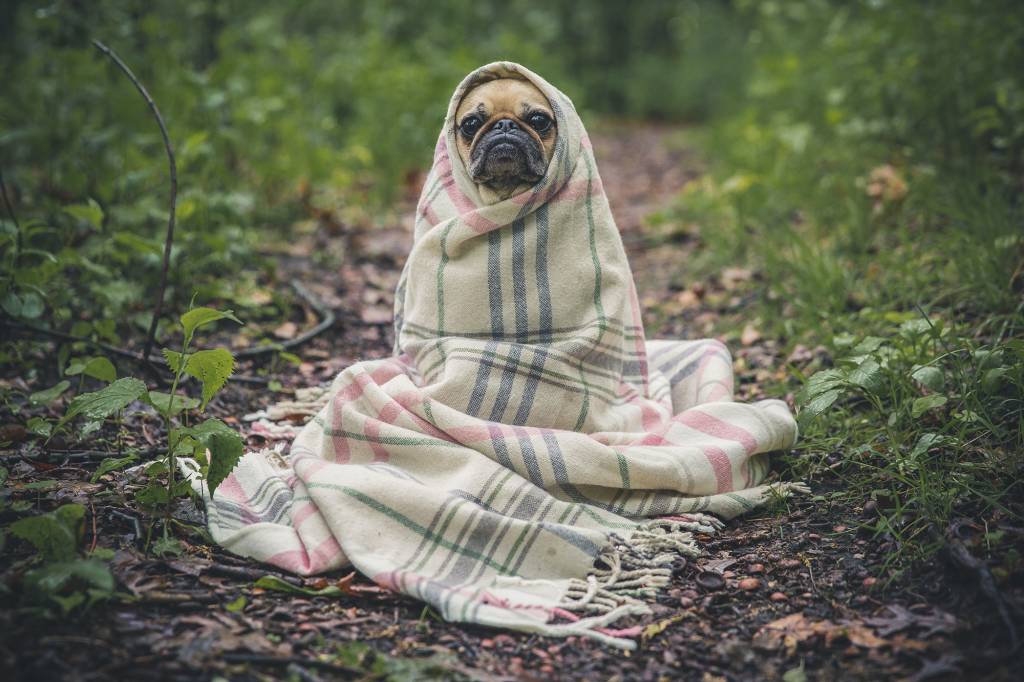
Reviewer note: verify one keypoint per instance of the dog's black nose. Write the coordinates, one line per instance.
(506, 125)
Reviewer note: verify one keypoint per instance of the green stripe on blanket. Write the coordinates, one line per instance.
(538, 468)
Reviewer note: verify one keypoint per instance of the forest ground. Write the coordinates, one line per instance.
(794, 593)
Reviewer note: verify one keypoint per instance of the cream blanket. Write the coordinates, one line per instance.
(526, 459)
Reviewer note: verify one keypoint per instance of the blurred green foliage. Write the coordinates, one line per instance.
(875, 156)
(870, 173)
(275, 108)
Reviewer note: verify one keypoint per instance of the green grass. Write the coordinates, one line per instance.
(882, 220)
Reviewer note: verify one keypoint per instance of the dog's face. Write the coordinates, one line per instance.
(506, 135)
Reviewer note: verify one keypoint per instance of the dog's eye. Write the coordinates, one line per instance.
(470, 125)
(539, 121)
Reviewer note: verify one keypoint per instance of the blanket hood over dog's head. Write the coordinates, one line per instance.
(570, 129)
(535, 287)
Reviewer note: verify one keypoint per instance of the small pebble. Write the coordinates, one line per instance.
(789, 563)
(750, 584)
(778, 596)
(869, 581)
(755, 568)
(686, 602)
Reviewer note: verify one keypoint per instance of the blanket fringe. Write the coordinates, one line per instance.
(629, 572)
(307, 403)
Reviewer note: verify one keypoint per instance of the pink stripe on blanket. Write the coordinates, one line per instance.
(713, 426)
(307, 510)
(231, 488)
(721, 465)
(305, 563)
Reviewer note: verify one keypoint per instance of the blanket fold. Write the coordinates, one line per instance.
(526, 459)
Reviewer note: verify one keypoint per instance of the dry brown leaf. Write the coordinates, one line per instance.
(688, 300)
(377, 314)
(731, 277)
(750, 335)
(286, 331)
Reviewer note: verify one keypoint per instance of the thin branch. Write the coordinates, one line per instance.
(169, 241)
(327, 320)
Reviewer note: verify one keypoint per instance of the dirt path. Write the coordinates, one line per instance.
(788, 593)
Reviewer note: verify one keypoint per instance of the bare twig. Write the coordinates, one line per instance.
(169, 241)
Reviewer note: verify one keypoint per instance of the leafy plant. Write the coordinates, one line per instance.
(64, 577)
(925, 421)
(216, 447)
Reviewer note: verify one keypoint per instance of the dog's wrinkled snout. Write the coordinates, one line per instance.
(505, 125)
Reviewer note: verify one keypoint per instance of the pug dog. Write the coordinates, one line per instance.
(506, 135)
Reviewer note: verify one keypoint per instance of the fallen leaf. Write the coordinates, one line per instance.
(286, 331)
(733, 276)
(750, 335)
(377, 315)
(655, 629)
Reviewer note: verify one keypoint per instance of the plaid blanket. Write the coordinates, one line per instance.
(526, 459)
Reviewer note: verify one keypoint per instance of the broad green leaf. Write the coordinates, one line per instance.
(107, 401)
(926, 442)
(197, 317)
(89, 212)
(819, 404)
(47, 396)
(12, 304)
(153, 495)
(237, 605)
(868, 375)
(915, 327)
(821, 382)
(67, 604)
(97, 367)
(138, 244)
(795, 674)
(168, 546)
(31, 305)
(212, 368)
(987, 359)
(869, 345)
(55, 576)
(54, 535)
(928, 402)
(993, 379)
(111, 464)
(170, 406)
(930, 377)
(39, 427)
(175, 360)
(225, 451)
(272, 582)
